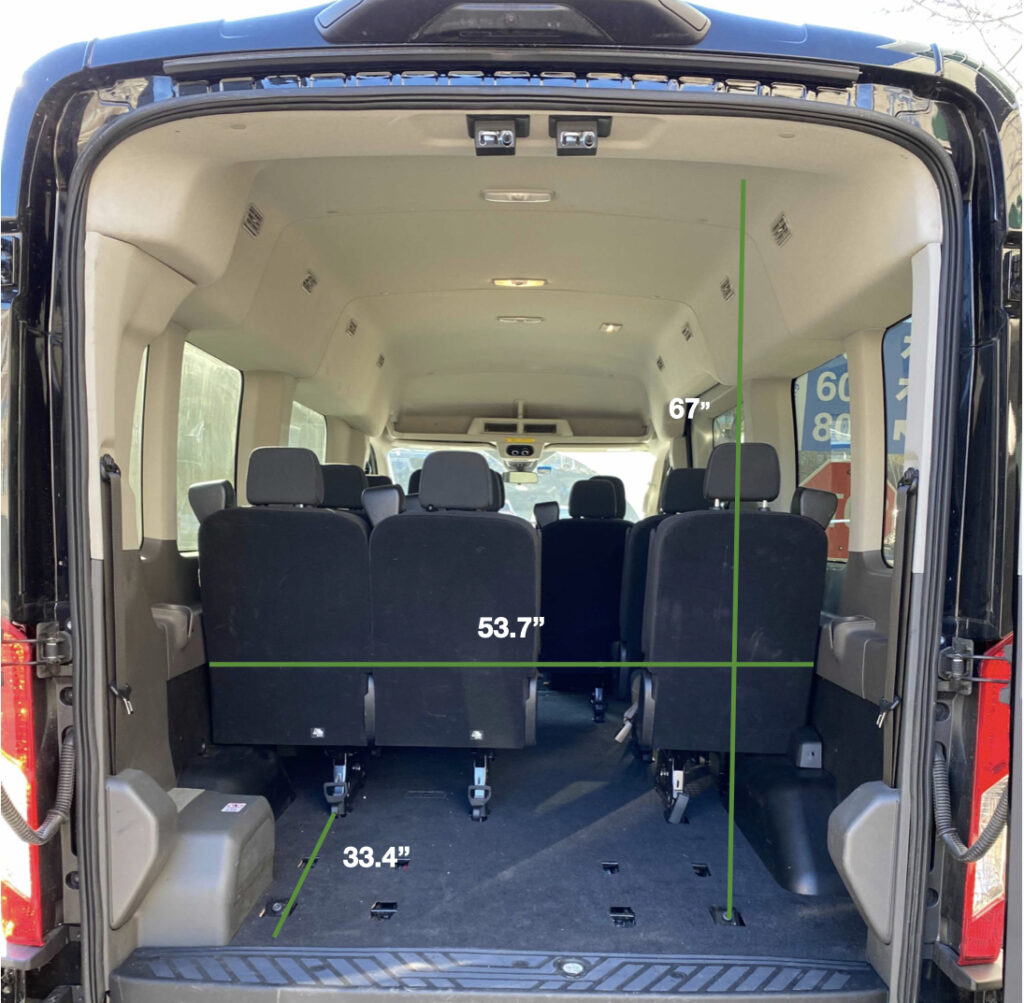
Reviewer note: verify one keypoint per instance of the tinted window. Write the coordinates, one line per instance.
(308, 428)
(211, 392)
(821, 410)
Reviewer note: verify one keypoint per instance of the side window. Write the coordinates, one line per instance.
(211, 392)
(308, 428)
(723, 428)
(821, 412)
(135, 450)
(896, 372)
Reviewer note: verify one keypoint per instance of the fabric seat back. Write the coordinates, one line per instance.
(688, 614)
(285, 581)
(435, 573)
(581, 579)
(682, 491)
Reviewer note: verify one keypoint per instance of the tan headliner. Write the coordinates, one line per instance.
(384, 208)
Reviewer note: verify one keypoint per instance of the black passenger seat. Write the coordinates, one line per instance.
(815, 504)
(344, 484)
(436, 572)
(208, 497)
(682, 491)
(581, 586)
(286, 581)
(688, 616)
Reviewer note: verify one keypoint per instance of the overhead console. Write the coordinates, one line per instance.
(521, 441)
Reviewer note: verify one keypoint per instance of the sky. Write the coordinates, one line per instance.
(30, 32)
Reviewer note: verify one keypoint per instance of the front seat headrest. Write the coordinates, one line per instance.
(344, 484)
(498, 492)
(456, 480)
(208, 497)
(545, 512)
(814, 504)
(620, 492)
(382, 501)
(759, 473)
(377, 480)
(414, 481)
(683, 491)
(593, 499)
(284, 475)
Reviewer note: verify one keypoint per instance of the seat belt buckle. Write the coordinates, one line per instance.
(124, 694)
(885, 708)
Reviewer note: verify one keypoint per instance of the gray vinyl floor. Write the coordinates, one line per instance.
(532, 877)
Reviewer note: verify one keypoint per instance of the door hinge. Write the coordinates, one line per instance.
(10, 257)
(1011, 280)
(53, 650)
(955, 674)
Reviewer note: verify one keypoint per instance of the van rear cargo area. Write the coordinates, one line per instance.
(574, 884)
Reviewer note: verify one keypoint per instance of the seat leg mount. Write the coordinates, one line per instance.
(347, 775)
(627, 723)
(479, 792)
(598, 703)
(676, 798)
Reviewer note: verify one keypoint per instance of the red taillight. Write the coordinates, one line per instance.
(984, 917)
(20, 891)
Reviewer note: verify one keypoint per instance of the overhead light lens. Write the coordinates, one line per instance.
(520, 320)
(517, 196)
(610, 328)
(520, 283)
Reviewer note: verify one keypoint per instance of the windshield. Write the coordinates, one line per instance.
(557, 472)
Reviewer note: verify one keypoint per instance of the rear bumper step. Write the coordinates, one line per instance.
(286, 974)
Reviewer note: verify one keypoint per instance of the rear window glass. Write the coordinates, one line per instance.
(821, 412)
(723, 428)
(211, 392)
(557, 471)
(308, 428)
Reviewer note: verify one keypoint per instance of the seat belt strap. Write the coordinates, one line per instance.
(113, 587)
(899, 606)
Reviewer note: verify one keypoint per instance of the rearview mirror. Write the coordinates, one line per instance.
(521, 477)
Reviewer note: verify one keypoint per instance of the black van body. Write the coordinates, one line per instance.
(78, 102)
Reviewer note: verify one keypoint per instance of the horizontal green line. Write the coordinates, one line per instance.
(506, 664)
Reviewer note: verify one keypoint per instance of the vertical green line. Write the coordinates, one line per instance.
(305, 871)
(734, 668)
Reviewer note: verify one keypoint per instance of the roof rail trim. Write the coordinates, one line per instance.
(594, 57)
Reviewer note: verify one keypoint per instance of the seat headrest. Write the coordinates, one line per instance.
(456, 480)
(414, 481)
(683, 491)
(620, 492)
(284, 475)
(382, 501)
(545, 512)
(498, 492)
(759, 473)
(208, 497)
(814, 504)
(377, 480)
(594, 499)
(344, 484)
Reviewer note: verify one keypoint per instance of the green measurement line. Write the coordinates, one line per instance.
(305, 871)
(738, 426)
(507, 664)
